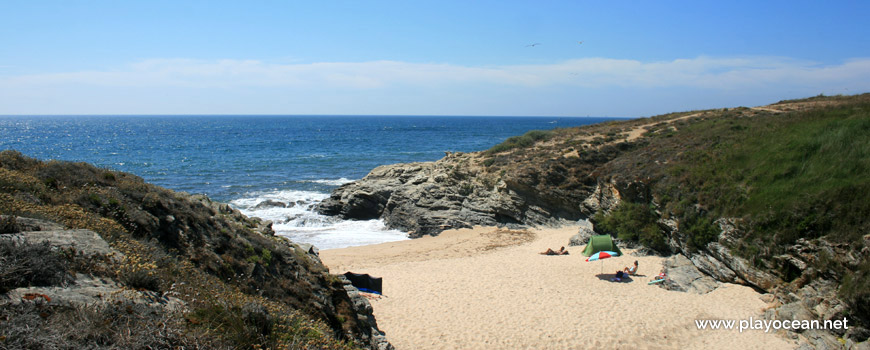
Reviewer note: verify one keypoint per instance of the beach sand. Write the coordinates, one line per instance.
(486, 288)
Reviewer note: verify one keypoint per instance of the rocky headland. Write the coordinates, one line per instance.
(94, 258)
(769, 197)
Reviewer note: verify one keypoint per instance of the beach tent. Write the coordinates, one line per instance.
(365, 282)
(600, 243)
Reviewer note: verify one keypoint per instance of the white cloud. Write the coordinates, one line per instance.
(704, 72)
(359, 82)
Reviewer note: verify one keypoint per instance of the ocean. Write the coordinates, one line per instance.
(246, 160)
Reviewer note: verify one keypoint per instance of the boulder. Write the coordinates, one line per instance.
(795, 311)
(270, 204)
(87, 291)
(582, 236)
(30, 224)
(685, 277)
(86, 241)
(819, 340)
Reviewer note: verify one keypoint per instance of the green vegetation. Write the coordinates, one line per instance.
(801, 176)
(247, 290)
(789, 176)
(633, 222)
(795, 174)
(526, 140)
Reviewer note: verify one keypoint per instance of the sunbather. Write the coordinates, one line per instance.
(619, 276)
(561, 251)
(631, 270)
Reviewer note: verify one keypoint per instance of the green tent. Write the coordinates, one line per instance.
(600, 243)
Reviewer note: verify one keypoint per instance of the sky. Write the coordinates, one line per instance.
(530, 58)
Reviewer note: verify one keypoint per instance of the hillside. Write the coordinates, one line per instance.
(773, 197)
(96, 258)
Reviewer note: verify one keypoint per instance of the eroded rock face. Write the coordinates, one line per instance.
(365, 311)
(81, 290)
(427, 198)
(685, 277)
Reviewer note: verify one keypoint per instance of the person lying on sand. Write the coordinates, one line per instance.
(561, 251)
(619, 276)
(631, 270)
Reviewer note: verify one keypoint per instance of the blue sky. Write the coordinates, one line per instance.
(425, 58)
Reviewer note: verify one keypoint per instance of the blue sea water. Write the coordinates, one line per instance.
(245, 160)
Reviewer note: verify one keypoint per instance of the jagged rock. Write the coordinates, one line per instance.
(853, 345)
(820, 340)
(86, 241)
(582, 237)
(860, 334)
(264, 227)
(86, 291)
(270, 204)
(365, 311)
(311, 250)
(717, 259)
(685, 277)
(30, 224)
(454, 192)
(795, 311)
(603, 198)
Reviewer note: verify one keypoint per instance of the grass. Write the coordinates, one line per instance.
(796, 177)
(790, 176)
(523, 141)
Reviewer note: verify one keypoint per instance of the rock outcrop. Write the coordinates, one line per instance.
(80, 290)
(684, 276)
(427, 198)
(458, 191)
(145, 256)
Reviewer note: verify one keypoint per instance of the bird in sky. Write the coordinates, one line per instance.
(580, 42)
(533, 45)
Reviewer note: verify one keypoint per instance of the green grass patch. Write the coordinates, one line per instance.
(523, 141)
(800, 176)
(790, 176)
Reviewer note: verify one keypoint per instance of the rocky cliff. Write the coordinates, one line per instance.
(91, 254)
(769, 197)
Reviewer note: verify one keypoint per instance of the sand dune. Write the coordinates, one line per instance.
(468, 289)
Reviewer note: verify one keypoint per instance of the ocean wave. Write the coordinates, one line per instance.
(335, 182)
(293, 216)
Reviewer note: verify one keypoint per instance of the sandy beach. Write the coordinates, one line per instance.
(486, 288)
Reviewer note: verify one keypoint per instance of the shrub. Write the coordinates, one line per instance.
(855, 289)
(634, 222)
(141, 279)
(700, 230)
(8, 224)
(26, 264)
(104, 326)
(523, 141)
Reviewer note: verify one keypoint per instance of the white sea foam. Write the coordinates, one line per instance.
(299, 222)
(335, 182)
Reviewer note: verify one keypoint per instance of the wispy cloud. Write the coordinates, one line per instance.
(706, 72)
(714, 74)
